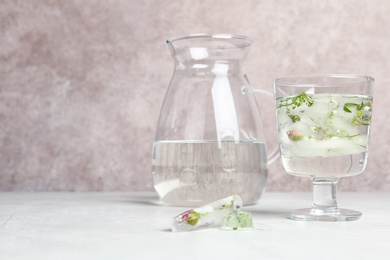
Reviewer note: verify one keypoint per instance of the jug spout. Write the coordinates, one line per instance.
(196, 47)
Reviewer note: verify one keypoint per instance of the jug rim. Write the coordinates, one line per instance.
(240, 40)
(304, 80)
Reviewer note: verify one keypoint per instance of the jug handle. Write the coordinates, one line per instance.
(275, 152)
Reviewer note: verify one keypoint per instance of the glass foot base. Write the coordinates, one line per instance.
(320, 215)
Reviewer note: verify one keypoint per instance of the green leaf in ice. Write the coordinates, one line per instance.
(363, 113)
(296, 101)
(346, 109)
(303, 98)
(295, 118)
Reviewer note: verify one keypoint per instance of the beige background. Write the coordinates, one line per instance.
(82, 82)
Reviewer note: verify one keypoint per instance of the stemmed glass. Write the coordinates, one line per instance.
(323, 128)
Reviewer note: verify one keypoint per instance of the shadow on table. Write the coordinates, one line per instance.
(147, 200)
(268, 214)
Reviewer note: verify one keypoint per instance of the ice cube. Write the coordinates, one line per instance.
(211, 214)
(238, 220)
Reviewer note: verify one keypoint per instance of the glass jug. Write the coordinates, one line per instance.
(209, 140)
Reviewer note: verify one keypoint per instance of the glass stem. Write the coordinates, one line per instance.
(324, 195)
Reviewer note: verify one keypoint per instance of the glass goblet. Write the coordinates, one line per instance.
(323, 129)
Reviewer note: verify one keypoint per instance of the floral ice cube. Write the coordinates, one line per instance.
(212, 214)
(238, 220)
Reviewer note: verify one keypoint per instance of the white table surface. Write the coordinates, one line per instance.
(136, 226)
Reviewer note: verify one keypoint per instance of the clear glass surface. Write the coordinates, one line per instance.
(323, 129)
(209, 140)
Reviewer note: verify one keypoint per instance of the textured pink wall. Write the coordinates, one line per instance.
(81, 82)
